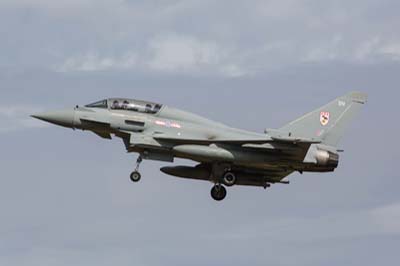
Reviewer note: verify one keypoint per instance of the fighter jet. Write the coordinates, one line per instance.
(226, 156)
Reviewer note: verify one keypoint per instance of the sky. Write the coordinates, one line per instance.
(66, 197)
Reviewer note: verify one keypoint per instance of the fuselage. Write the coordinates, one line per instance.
(139, 123)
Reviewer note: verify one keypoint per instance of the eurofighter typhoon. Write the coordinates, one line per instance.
(226, 156)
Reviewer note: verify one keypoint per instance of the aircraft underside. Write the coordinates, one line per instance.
(227, 174)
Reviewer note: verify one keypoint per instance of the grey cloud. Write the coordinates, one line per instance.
(249, 36)
(168, 52)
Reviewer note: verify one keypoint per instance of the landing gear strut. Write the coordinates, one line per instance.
(218, 192)
(135, 175)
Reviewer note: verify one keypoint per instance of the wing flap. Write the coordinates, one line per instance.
(295, 140)
(288, 137)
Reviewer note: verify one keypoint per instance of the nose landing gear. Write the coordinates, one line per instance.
(135, 175)
(218, 192)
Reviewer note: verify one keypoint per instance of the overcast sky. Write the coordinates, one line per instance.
(66, 197)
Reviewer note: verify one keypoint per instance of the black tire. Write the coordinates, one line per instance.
(218, 192)
(229, 179)
(135, 176)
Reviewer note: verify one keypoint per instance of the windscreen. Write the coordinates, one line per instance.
(99, 104)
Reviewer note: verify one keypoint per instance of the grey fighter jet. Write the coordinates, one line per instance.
(226, 156)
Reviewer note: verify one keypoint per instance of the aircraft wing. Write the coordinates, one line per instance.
(291, 148)
(204, 141)
(244, 141)
(295, 148)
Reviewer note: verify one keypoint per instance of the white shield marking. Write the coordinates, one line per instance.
(324, 118)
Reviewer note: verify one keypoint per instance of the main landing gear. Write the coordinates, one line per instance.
(229, 179)
(218, 192)
(222, 176)
(135, 175)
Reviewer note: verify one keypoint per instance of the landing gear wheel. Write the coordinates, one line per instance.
(229, 179)
(135, 176)
(218, 192)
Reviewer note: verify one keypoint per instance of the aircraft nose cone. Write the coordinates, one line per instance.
(63, 118)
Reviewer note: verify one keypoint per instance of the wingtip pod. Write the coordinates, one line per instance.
(358, 97)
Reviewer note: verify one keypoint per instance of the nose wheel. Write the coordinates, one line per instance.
(218, 192)
(135, 175)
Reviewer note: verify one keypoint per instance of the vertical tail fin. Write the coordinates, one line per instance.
(329, 122)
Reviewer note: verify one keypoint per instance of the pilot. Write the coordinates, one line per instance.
(115, 105)
(148, 108)
(125, 105)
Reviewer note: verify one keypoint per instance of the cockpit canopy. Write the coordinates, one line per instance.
(127, 104)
